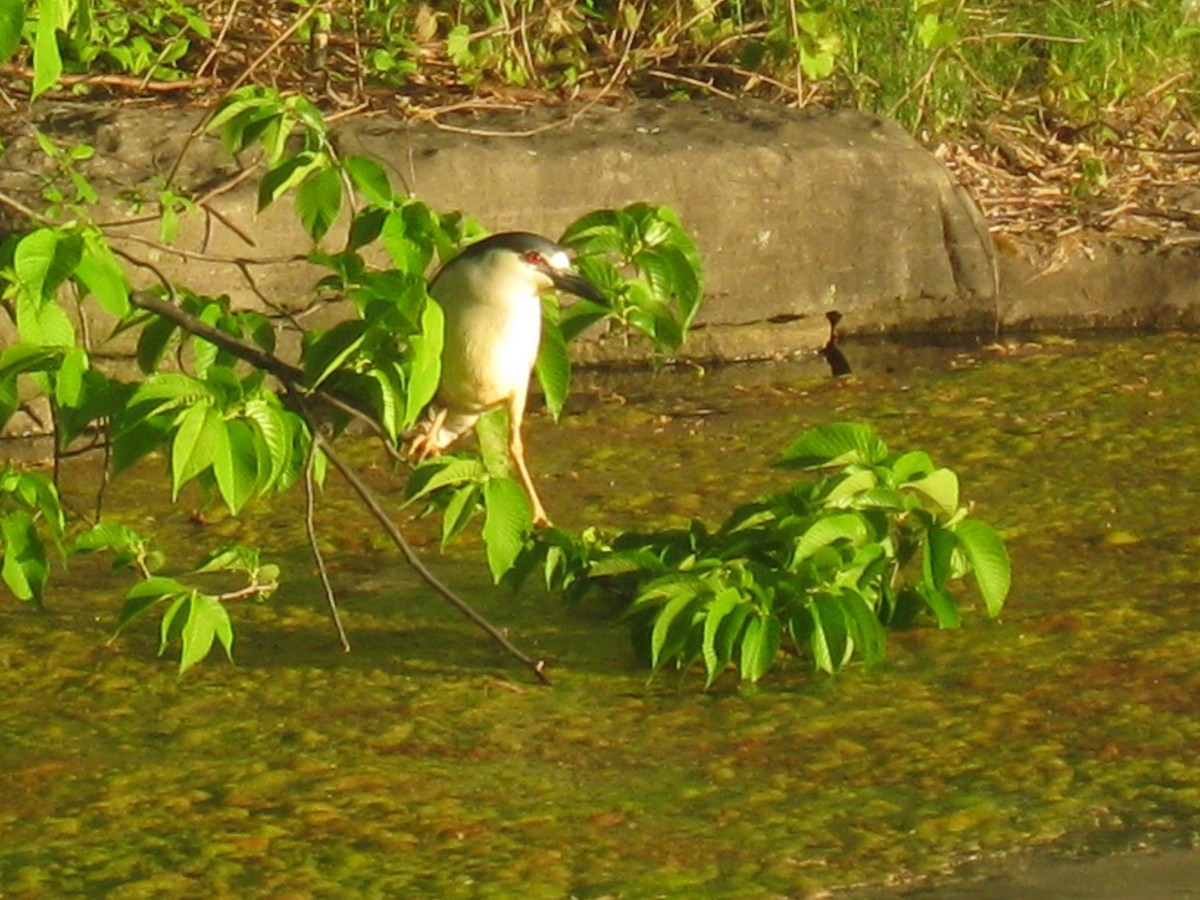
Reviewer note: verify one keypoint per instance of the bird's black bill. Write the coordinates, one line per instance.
(574, 283)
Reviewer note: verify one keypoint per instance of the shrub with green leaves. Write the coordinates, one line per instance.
(821, 568)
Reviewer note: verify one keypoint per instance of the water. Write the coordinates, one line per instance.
(425, 764)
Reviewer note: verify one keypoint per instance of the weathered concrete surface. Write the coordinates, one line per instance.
(795, 214)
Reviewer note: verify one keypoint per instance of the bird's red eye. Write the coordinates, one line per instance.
(534, 258)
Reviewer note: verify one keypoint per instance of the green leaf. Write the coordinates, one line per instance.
(719, 610)
(168, 390)
(508, 517)
(840, 444)
(171, 625)
(985, 550)
(664, 644)
(289, 173)
(106, 536)
(937, 557)
(318, 201)
(425, 367)
(491, 431)
(912, 465)
(553, 368)
(761, 639)
(459, 511)
(404, 241)
(275, 434)
(389, 395)
(831, 643)
(940, 486)
(144, 595)
(850, 526)
(34, 262)
(47, 62)
(21, 358)
(43, 321)
(12, 20)
(23, 567)
(441, 471)
(68, 385)
(868, 630)
(332, 349)
(152, 341)
(941, 604)
(100, 273)
(853, 482)
(235, 463)
(369, 179)
(194, 448)
(207, 619)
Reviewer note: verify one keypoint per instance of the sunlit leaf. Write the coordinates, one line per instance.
(940, 486)
(459, 511)
(68, 385)
(100, 273)
(989, 560)
(274, 432)
(838, 444)
(508, 517)
(761, 638)
(23, 569)
(662, 642)
(195, 444)
(21, 358)
(47, 61)
(553, 368)
(718, 610)
(441, 471)
(43, 321)
(425, 367)
(943, 606)
(848, 526)
(369, 179)
(12, 20)
(318, 201)
(207, 619)
(289, 173)
(235, 463)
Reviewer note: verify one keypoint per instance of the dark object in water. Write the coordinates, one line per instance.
(838, 364)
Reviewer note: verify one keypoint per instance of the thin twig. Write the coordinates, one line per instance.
(210, 257)
(538, 667)
(292, 379)
(220, 39)
(198, 128)
(310, 528)
(118, 81)
(694, 82)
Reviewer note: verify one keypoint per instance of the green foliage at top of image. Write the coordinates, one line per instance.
(823, 566)
(932, 64)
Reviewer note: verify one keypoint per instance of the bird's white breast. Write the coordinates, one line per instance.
(493, 329)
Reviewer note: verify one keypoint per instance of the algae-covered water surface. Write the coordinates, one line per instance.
(425, 764)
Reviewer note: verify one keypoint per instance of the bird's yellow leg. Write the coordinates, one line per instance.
(516, 450)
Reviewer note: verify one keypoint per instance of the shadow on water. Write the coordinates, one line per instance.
(425, 763)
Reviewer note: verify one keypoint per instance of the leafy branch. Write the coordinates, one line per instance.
(233, 415)
(824, 566)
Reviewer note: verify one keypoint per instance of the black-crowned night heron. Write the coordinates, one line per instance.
(491, 296)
